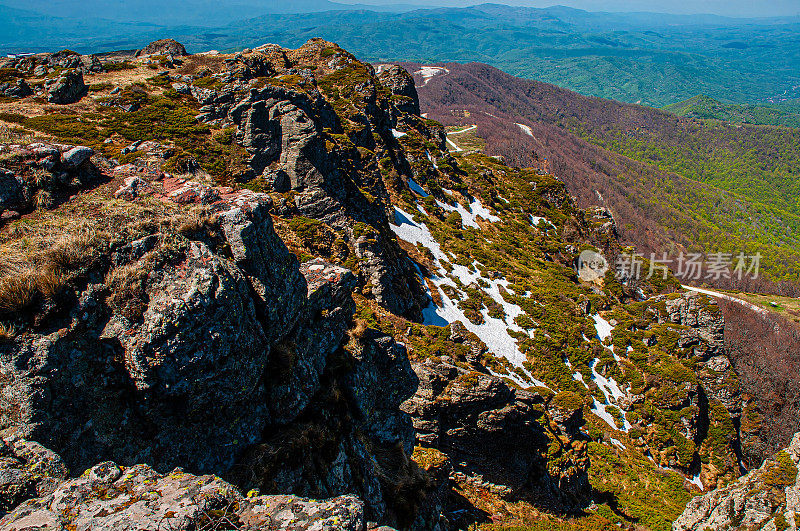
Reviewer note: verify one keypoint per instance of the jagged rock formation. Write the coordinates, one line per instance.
(290, 134)
(108, 496)
(766, 498)
(498, 437)
(207, 348)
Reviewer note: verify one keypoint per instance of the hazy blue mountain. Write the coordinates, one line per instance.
(653, 59)
(205, 13)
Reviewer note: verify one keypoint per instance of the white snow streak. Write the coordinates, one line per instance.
(494, 332)
(525, 129)
(535, 220)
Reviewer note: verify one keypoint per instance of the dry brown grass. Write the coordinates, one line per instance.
(35, 270)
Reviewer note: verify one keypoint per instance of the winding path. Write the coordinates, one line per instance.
(725, 296)
(453, 144)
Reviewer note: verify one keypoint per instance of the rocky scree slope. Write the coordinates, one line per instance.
(177, 289)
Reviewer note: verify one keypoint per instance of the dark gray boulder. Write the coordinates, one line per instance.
(67, 88)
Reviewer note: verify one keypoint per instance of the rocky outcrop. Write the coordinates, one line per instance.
(766, 498)
(109, 496)
(18, 89)
(401, 83)
(42, 175)
(219, 353)
(163, 47)
(498, 437)
(708, 402)
(67, 88)
(291, 134)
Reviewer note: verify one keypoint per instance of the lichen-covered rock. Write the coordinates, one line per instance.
(27, 470)
(287, 132)
(765, 498)
(67, 88)
(20, 89)
(109, 496)
(495, 434)
(42, 175)
(207, 345)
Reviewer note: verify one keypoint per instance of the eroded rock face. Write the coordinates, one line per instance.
(42, 175)
(219, 353)
(497, 437)
(401, 83)
(20, 89)
(766, 498)
(109, 496)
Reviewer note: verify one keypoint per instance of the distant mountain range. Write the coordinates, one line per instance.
(653, 59)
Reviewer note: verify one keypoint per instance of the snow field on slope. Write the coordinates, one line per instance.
(608, 386)
(469, 216)
(427, 72)
(493, 332)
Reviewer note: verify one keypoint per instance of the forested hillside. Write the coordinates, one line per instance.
(673, 183)
(705, 108)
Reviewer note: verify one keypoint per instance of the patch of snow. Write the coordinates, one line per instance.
(407, 230)
(617, 443)
(398, 134)
(600, 410)
(435, 166)
(697, 481)
(503, 199)
(494, 332)
(525, 129)
(427, 72)
(607, 385)
(535, 220)
(416, 188)
(479, 210)
(469, 216)
(602, 326)
(611, 392)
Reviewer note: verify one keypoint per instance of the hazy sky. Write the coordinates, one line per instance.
(735, 8)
